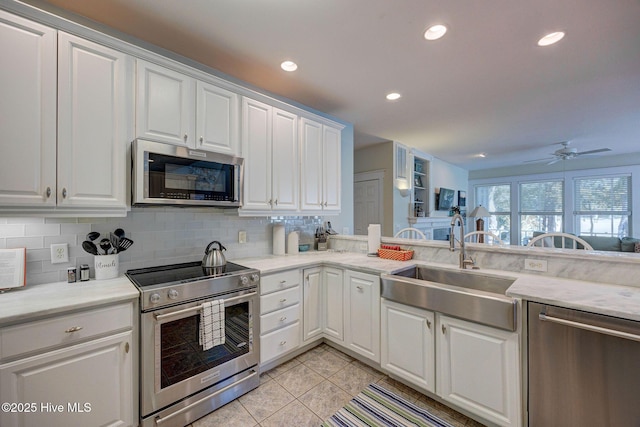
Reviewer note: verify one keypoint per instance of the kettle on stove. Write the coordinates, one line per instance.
(214, 259)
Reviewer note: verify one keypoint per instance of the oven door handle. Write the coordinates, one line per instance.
(199, 307)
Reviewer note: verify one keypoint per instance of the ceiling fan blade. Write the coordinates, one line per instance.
(554, 161)
(538, 160)
(600, 150)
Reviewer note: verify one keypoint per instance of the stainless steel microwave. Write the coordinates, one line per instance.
(166, 174)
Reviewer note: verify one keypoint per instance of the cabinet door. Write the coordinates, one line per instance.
(94, 123)
(333, 303)
(408, 343)
(478, 369)
(311, 165)
(285, 161)
(217, 119)
(28, 112)
(164, 105)
(362, 314)
(312, 307)
(256, 150)
(89, 384)
(331, 169)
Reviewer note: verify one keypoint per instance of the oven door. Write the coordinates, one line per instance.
(173, 363)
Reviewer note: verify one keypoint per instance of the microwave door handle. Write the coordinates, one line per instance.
(199, 307)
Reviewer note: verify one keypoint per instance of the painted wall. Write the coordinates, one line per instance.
(446, 175)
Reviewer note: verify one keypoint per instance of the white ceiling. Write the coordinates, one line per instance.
(484, 87)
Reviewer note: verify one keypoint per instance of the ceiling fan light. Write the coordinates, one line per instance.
(435, 32)
(551, 38)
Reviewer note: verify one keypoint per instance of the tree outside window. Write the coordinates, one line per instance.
(541, 208)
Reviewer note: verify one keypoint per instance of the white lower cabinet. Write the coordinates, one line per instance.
(362, 314)
(408, 344)
(69, 378)
(478, 369)
(312, 307)
(280, 323)
(333, 295)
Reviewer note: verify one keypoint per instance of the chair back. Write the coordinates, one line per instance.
(487, 237)
(410, 233)
(566, 241)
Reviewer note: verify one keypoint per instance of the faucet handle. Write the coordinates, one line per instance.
(468, 262)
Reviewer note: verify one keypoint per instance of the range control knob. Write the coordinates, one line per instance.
(173, 294)
(255, 277)
(244, 280)
(154, 298)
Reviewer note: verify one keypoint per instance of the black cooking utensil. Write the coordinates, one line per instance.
(105, 245)
(115, 242)
(125, 243)
(90, 247)
(93, 236)
(119, 232)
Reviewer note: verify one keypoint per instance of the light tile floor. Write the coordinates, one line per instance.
(310, 388)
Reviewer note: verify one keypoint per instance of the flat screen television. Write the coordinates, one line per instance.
(445, 199)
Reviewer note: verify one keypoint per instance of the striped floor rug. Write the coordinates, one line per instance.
(377, 407)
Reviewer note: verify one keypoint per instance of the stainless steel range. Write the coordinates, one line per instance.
(179, 380)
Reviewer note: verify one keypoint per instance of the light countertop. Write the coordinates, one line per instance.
(613, 300)
(37, 301)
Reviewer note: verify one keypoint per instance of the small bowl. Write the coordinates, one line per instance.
(303, 248)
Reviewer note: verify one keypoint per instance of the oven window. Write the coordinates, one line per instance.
(182, 357)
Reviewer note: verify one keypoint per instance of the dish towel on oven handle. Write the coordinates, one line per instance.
(212, 324)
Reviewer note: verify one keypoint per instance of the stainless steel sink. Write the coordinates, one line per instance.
(470, 295)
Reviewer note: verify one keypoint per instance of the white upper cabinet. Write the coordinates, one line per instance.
(165, 102)
(176, 108)
(94, 123)
(75, 164)
(320, 161)
(217, 119)
(270, 150)
(28, 113)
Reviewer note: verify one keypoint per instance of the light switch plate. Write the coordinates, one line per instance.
(535, 264)
(59, 253)
(242, 237)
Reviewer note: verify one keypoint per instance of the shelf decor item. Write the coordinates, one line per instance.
(445, 199)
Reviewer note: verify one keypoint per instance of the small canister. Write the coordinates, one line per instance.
(84, 272)
(71, 275)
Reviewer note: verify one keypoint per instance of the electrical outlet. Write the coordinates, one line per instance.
(242, 237)
(535, 264)
(59, 253)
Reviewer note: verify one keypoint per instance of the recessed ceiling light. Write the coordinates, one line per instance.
(551, 38)
(393, 96)
(435, 32)
(289, 66)
(482, 155)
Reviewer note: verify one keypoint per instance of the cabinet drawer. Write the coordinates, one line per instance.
(279, 318)
(279, 281)
(278, 300)
(279, 342)
(64, 330)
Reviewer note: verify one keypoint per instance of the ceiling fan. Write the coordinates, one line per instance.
(567, 153)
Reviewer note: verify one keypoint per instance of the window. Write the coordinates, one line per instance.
(541, 208)
(497, 200)
(602, 206)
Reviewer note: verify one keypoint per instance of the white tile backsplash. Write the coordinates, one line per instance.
(160, 235)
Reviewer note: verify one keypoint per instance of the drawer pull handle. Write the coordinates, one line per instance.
(73, 329)
(283, 300)
(359, 288)
(283, 318)
(126, 348)
(282, 282)
(428, 323)
(283, 342)
(444, 329)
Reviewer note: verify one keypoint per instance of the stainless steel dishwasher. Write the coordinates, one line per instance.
(584, 369)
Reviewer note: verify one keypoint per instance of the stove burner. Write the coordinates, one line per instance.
(179, 273)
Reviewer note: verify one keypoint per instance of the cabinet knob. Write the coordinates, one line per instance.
(270, 202)
(126, 348)
(185, 137)
(359, 288)
(276, 202)
(73, 329)
(283, 343)
(283, 300)
(64, 193)
(48, 192)
(444, 329)
(283, 318)
(201, 139)
(428, 323)
(282, 282)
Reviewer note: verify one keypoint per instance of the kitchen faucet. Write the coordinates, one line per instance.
(464, 260)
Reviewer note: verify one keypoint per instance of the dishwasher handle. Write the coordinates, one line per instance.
(592, 328)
